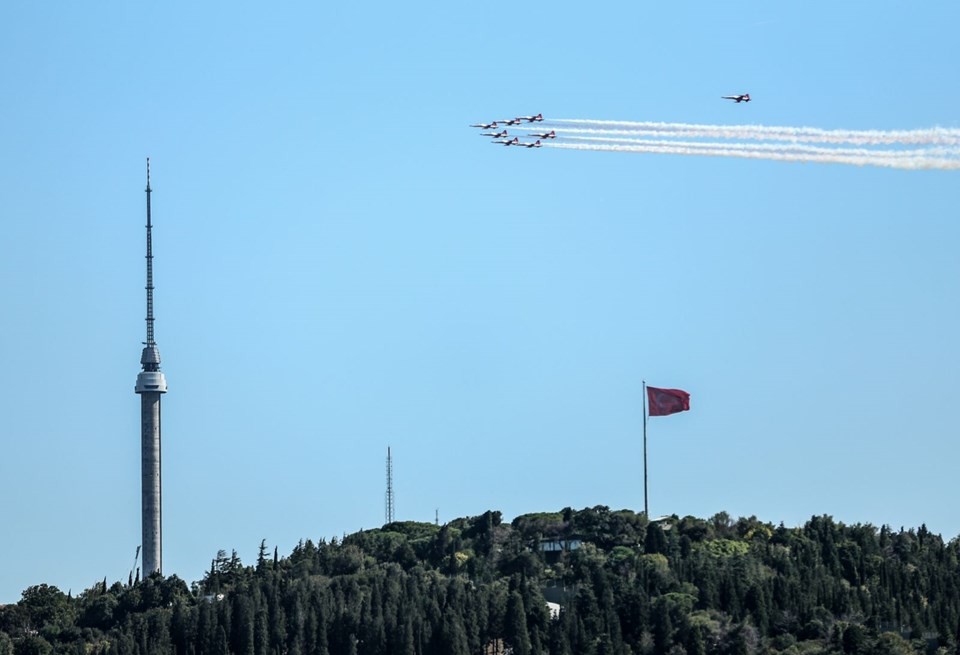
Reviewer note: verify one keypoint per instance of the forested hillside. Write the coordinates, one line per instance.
(477, 585)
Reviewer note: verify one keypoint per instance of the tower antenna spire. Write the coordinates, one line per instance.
(388, 514)
(150, 341)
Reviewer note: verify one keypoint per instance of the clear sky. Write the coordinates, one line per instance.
(342, 265)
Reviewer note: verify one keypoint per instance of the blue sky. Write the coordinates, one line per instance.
(342, 265)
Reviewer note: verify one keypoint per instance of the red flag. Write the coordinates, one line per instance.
(663, 402)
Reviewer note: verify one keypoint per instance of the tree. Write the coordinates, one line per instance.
(46, 607)
(662, 626)
(242, 625)
(746, 639)
(261, 633)
(222, 647)
(516, 625)
(98, 611)
(756, 603)
(890, 643)
(453, 636)
(655, 541)
(181, 623)
(854, 639)
(262, 556)
(32, 645)
(206, 634)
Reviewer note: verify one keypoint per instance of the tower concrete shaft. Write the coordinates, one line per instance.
(151, 384)
(152, 537)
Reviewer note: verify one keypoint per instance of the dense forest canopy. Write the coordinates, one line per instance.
(574, 582)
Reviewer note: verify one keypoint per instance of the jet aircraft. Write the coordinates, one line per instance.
(495, 135)
(738, 99)
(512, 121)
(535, 144)
(531, 119)
(546, 135)
(512, 142)
(486, 126)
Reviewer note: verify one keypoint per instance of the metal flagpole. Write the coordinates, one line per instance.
(646, 510)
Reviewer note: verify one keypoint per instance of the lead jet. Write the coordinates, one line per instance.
(546, 135)
(486, 126)
(495, 135)
(512, 142)
(535, 144)
(738, 99)
(531, 119)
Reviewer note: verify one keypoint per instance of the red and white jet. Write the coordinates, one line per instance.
(738, 99)
(546, 135)
(531, 119)
(535, 144)
(486, 126)
(495, 135)
(512, 142)
(512, 121)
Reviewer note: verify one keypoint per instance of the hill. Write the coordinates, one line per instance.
(584, 582)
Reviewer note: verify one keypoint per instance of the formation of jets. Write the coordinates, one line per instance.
(503, 138)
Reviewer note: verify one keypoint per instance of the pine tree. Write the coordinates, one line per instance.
(262, 556)
(516, 625)
(662, 626)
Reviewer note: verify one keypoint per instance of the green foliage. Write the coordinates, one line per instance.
(714, 586)
(32, 645)
(46, 607)
(723, 548)
(890, 643)
(515, 625)
(540, 525)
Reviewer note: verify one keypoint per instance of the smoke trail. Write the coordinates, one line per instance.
(931, 148)
(928, 136)
(730, 132)
(944, 153)
(718, 150)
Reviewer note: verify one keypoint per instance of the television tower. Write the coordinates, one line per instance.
(150, 386)
(389, 511)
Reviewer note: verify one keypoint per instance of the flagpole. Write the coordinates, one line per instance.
(646, 510)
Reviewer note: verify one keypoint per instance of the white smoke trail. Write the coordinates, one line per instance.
(727, 133)
(939, 148)
(718, 150)
(929, 136)
(944, 153)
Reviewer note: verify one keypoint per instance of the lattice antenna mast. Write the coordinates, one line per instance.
(389, 510)
(150, 341)
(150, 359)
